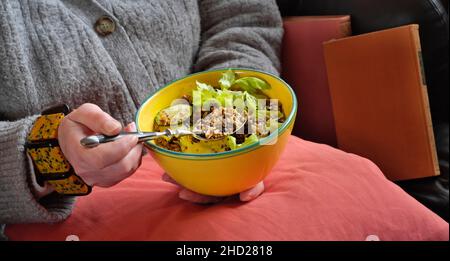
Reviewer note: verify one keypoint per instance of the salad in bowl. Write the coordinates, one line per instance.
(232, 114)
(241, 120)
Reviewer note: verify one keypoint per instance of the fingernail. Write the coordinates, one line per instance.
(244, 199)
(112, 125)
(251, 196)
(248, 197)
(133, 126)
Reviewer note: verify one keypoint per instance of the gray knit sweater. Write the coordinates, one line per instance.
(50, 53)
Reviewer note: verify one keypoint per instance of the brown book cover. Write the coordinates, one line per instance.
(304, 69)
(380, 101)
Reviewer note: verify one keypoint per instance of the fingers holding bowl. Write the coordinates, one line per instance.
(252, 193)
(194, 197)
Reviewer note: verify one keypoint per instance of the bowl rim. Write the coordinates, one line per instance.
(223, 154)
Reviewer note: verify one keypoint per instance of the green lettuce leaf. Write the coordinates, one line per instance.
(205, 95)
(251, 102)
(252, 84)
(225, 97)
(272, 125)
(249, 141)
(227, 79)
(204, 87)
(231, 142)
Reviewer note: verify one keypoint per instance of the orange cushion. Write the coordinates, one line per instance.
(314, 193)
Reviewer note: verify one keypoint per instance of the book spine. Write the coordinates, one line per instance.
(425, 99)
(345, 28)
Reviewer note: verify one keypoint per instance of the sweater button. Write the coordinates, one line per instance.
(105, 25)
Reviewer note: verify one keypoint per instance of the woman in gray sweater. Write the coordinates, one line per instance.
(111, 53)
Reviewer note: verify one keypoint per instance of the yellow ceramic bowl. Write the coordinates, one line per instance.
(224, 173)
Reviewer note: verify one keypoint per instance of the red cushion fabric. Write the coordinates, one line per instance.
(315, 192)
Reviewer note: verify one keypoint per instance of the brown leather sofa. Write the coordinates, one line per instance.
(432, 17)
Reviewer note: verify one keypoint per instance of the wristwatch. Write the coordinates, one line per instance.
(49, 163)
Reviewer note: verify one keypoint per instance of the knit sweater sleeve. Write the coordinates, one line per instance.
(19, 201)
(240, 33)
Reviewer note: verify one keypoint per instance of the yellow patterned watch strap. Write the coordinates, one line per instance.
(49, 162)
(73, 185)
(45, 127)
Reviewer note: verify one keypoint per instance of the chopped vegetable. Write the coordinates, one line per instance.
(227, 80)
(224, 111)
(252, 84)
(173, 115)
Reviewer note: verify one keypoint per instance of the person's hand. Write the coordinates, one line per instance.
(107, 164)
(194, 197)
